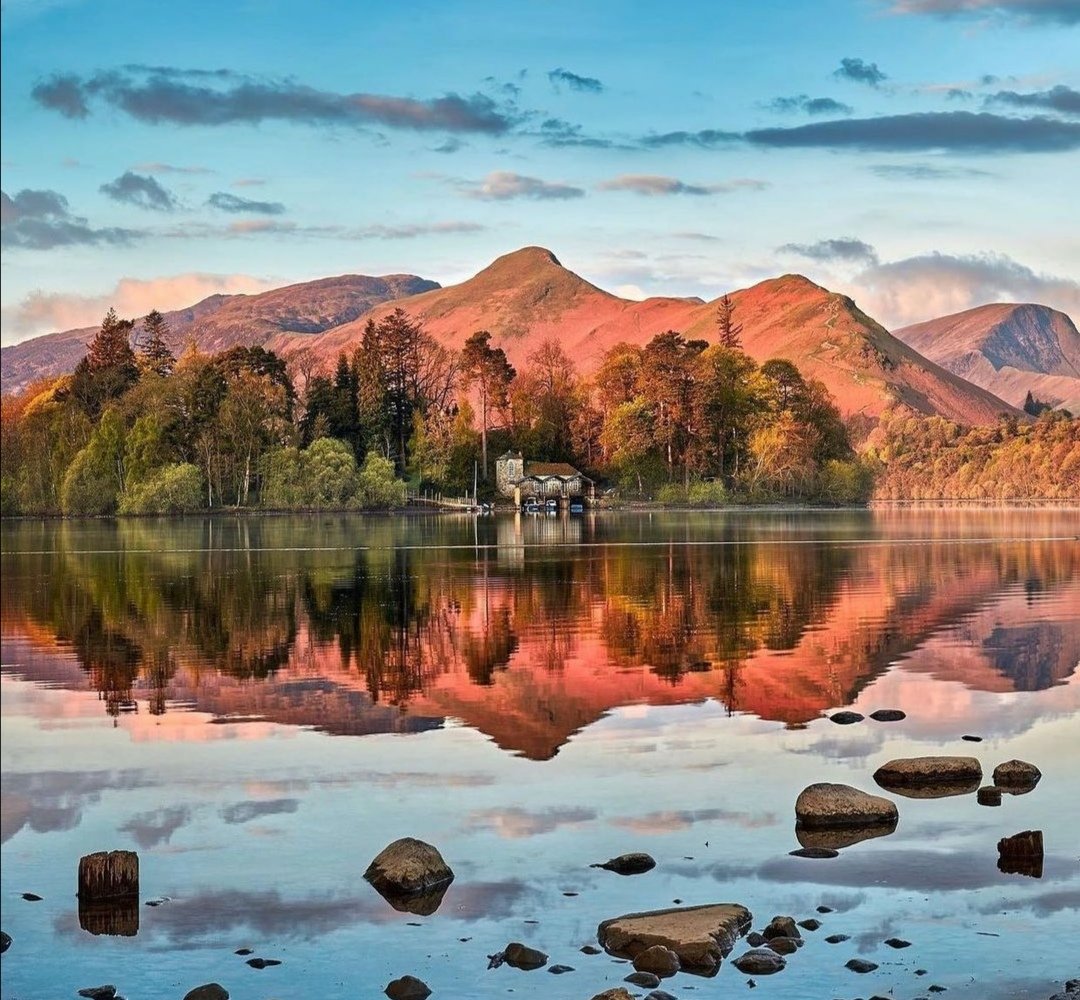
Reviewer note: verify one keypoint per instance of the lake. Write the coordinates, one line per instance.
(259, 705)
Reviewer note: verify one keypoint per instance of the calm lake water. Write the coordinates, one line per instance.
(258, 706)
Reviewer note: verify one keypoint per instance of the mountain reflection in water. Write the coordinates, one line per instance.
(530, 629)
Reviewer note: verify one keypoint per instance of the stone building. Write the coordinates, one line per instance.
(521, 480)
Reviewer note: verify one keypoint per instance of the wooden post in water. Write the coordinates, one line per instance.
(109, 893)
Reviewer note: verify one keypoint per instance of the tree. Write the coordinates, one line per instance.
(172, 489)
(109, 368)
(486, 369)
(727, 396)
(545, 399)
(727, 330)
(667, 381)
(629, 435)
(154, 353)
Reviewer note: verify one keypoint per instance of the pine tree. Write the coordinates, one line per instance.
(486, 368)
(727, 329)
(154, 353)
(109, 368)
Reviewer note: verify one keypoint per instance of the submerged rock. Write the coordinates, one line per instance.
(845, 718)
(1021, 854)
(759, 962)
(1016, 776)
(659, 960)
(628, 864)
(784, 945)
(263, 963)
(560, 970)
(407, 988)
(589, 949)
(521, 956)
(411, 876)
(810, 924)
(31, 897)
(826, 805)
(208, 991)
(699, 935)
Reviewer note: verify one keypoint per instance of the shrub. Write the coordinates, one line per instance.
(172, 489)
(89, 485)
(377, 488)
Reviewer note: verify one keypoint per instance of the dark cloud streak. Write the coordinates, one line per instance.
(1061, 99)
(143, 192)
(42, 220)
(226, 202)
(585, 84)
(859, 71)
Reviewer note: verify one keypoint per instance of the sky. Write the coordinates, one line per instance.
(920, 155)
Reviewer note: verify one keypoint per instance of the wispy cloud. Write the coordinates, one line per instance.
(156, 167)
(504, 185)
(42, 220)
(655, 184)
(143, 192)
(846, 248)
(514, 823)
(926, 172)
(226, 202)
(563, 77)
(169, 95)
(1064, 100)
(1023, 11)
(856, 70)
(809, 105)
(707, 138)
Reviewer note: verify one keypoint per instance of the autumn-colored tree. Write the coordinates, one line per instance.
(727, 330)
(109, 368)
(487, 371)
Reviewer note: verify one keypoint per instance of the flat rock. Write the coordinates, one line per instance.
(208, 991)
(659, 960)
(106, 992)
(759, 962)
(628, 864)
(972, 739)
(845, 718)
(837, 938)
(31, 897)
(263, 963)
(244, 951)
(659, 995)
(860, 965)
(1017, 775)
(825, 805)
(888, 715)
(407, 988)
(988, 795)
(521, 956)
(908, 772)
(699, 935)
(409, 868)
(818, 853)
(560, 970)
(825, 909)
(648, 980)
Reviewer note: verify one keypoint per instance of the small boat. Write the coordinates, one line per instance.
(531, 507)
(552, 504)
(577, 507)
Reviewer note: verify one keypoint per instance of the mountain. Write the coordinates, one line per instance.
(1008, 349)
(222, 321)
(527, 296)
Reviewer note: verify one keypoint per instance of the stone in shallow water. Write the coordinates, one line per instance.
(1021, 854)
(759, 962)
(888, 715)
(5, 941)
(628, 864)
(659, 960)
(521, 956)
(818, 853)
(780, 927)
(972, 739)
(407, 988)
(589, 949)
(410, 875)
(784, 945)
(837, 938)
(845, 718)
(263, 963)
(898, 943)
(988, 795)
(560, 970)
(208, 991)
(810, 924)
(616, 993)
(699, 935)
(106, 992)
(860, 965)
(646, 979)
(910, 772)
(827, 805)
(1016, 776)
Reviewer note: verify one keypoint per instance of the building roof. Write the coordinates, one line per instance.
(509, 454)
(542, 469)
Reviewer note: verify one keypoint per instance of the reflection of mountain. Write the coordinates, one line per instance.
(519, 631)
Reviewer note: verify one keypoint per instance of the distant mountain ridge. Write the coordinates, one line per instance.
(219, 322)
(527, 296)
(1009, 349)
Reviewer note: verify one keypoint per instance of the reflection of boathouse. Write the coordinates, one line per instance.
(521, 480)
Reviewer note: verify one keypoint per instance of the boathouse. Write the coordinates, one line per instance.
(522, 481)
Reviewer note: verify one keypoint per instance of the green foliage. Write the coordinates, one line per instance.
(376, 486)
(95, 478)
(849, 481)
(328, 474)
(109, 368)
(282, 479)
(172, 489)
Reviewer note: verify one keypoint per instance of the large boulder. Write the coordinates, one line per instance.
(1016, 776)
(825, 805)
(699, 935)
(411, 875)
(930, 777)
(759, 962)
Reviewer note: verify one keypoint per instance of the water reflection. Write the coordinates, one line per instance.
(530, 629)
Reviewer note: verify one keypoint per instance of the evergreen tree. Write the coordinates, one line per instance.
(109, 368)
(727, 329)
(154, 353)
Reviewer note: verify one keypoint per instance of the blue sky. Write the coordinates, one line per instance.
(921, 155)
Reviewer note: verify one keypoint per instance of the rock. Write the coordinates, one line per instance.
(263, 963)
(810, 924)
(825, 805)
(755, 939)
(845, 718)
(208, 991)
(759, 962)
(645, 979)
(617, 993)
(1016, 776)
(410, 875)
(936, 989)
(859, 965)
(659, 995)
(837, 938)
(1021, 854)
(927, 772)
(972, 739)
(108, 875)
(825, 909)
(988, 795)
(628, 864)
(407, 988)
(699, 935)
(560, 970)
(780, 927)
(819, 853)
(659, 960)
(243, 951)
(888, 715)
(589, 949)
(5, 941)
(521, 956)
(898, 943)
(784, 945)
(31, 897)
(106, 992)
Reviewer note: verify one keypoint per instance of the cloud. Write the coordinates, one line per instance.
(504, 185)
(1064, 100)
(926, 172)
(246, 182)
(143, 192)
(654, 184)
(158, 95)
(859, 71)
(226, 202)
(708, 138)
(157, 827)
(948, 131)
(412, 231)
(245, 812)
(42, 220)
(515, 823)
(936, 284)
(810, 105)
(586, 84)
(156, 167)
(42, 312)
(670, 821)
(844, 249)
(1024, 11)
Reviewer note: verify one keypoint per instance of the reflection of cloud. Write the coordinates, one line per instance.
(671, 820)
(1045, 904)
(157, 827)
(243, 812)
(516, 822)
(49, 801)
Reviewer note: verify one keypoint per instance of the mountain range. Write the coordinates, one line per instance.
(527, 296)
